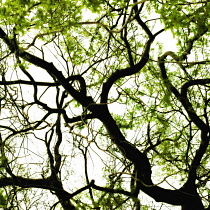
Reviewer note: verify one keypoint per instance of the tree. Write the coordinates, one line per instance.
(93, 110)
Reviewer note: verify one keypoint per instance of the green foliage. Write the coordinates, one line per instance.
(185, 19)
(3, 203)
(93, 5)
(102, 42)
(46, 16)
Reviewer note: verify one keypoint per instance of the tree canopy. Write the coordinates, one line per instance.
(95, 113)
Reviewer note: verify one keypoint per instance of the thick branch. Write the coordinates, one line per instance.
(48, 184)
(182, 98)
(109, 190)
(189, 187)
(193, 82)
(139, 20)
(29, 183)
(127, 71)
(49, 67)
(141, 162)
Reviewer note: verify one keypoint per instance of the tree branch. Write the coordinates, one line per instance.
(127, 71)
(25, 82)
(182, 98)
(50, 68)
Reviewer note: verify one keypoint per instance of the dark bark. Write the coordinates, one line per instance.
(187, 196)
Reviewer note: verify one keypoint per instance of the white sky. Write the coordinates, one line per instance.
(169, 44)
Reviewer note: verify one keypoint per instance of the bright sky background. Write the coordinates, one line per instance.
(169, 44)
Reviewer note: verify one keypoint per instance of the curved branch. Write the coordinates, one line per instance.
(78, 118)
(43, 183)
(127, 71)
(81, 81)
(141, 163)
(189, 186)
(127, 44)
(191, 41)
(57, 145)
(182, 97)
(139, 20)
(110, 190)
(191, 83)
(15, 132)
(49, 67)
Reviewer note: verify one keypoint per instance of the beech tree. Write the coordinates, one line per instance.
(95, 113)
